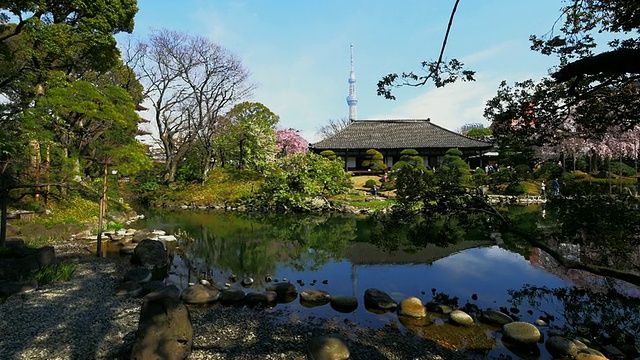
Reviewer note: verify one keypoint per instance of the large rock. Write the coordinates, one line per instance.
(412, 307)
(559, 346)
(17, 287)
(139, 275)
(255, 300)
(313, 297)
(344, 303)
(460, 317)
(328, 347)
(164, 330)
(46, 255)
(200, 294)
(232, 296)
(494, 317)
(379, 300)
(150, 254)
(287, 292)
(129, 288)
(521, 333)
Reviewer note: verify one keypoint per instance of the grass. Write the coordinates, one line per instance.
(222, 187)
(53, 273)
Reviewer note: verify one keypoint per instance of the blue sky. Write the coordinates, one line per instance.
(297, 51)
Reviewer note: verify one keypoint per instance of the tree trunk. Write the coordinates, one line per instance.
(4, 204)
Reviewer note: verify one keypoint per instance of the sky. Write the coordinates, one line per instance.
(297, 51)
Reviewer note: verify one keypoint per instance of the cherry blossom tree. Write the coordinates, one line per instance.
(290, 142)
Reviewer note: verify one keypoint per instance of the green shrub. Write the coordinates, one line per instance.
(329, 154)
(523, 171)
(389, 185)
(550, 170)
(616, 167)
(516, 188)
(370, 183)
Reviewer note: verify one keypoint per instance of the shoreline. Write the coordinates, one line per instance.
(83, 319)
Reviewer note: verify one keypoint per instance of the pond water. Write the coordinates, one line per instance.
(334, 253)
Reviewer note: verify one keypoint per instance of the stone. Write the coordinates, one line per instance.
(128, 249)
(246, 282)
(412, 307)
(139, 236)
(590, 356)
(165, 290)
(287, 292)
(46, 255)
(378, 299)
(152, 286)
(17, 287)
(139, 275)
(167, 238)
(314, 297)
(460, 317)
(199, 294)
(12, 230)
(18, 247)
(150, 254)
(438, 308)
(129, 288)
(164, 329)
(559, 346)
(35, 231)
(232, 296)
(540, 322)
(328, 347)
(344, 303)
(255, 300)
(494, 317)
(14, 268)
(521, 333)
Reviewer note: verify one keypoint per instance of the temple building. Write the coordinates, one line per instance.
(390, 137)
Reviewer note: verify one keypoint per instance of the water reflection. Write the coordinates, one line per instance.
(334, 253)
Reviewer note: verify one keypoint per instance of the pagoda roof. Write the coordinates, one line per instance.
(397, 134)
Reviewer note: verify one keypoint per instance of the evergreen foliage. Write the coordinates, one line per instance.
(374, 161)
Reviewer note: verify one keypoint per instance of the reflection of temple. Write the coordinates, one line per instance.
(368, 254)
(363, 253)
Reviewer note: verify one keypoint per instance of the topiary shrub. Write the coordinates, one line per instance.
(329, 154)
(374, 160)
(369, 183)
(523, 171)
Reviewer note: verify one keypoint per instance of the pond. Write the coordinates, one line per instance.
(334, 253)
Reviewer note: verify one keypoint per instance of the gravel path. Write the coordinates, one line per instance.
(82, 319)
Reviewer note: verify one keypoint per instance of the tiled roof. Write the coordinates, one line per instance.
(397, 134)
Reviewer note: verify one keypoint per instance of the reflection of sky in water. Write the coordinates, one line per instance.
(488, 272)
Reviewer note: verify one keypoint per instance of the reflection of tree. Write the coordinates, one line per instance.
(254, 244)
(609, 317)
(407, 231)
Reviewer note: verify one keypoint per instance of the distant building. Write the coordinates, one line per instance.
(390, 137)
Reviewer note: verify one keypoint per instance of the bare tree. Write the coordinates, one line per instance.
(191, 82)
(333, 127)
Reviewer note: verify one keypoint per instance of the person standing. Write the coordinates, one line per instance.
(543, 189)
(556, 187)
